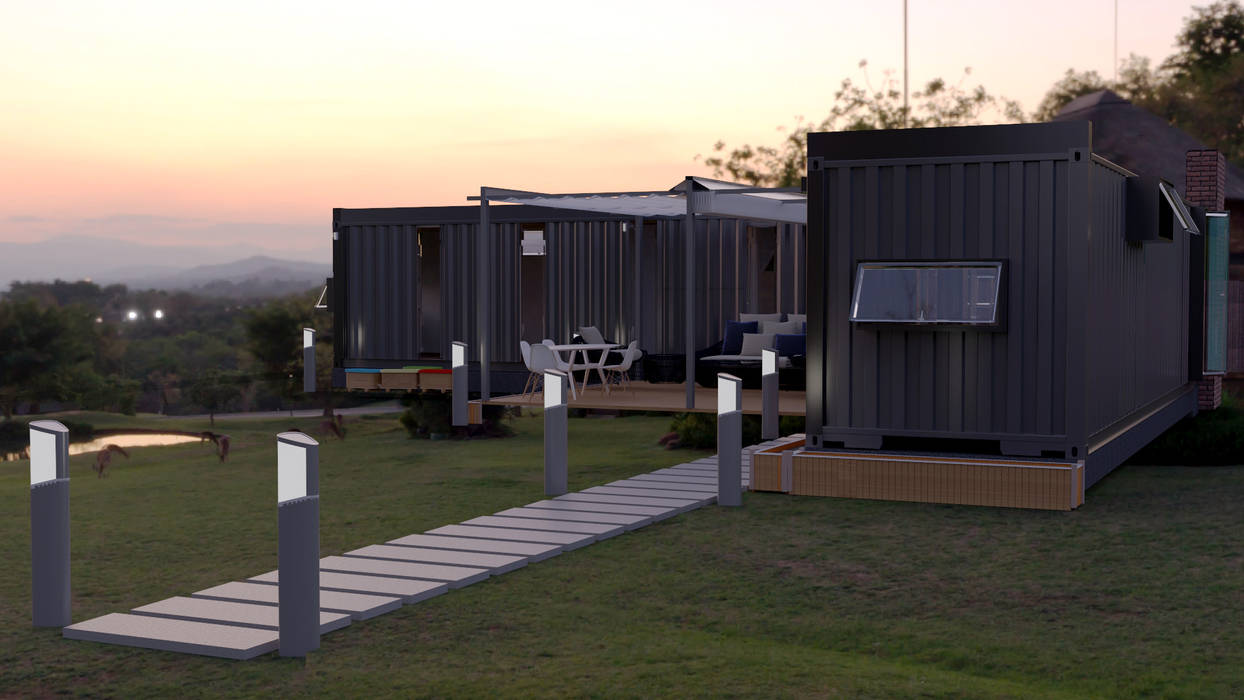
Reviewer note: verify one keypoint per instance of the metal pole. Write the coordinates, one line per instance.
(298, 555)
(729, 440)
(49, 524)
(689, 286)
(555, 433)
(484, 289)
(308, 360)
(638, 282)
(461, 382)
(905, 108)
(769, 394)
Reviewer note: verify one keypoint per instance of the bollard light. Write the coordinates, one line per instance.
(308, 360)
(295, 467)
(49, 524)
(459, 378)
(768, 361)
(729, 393)
(554, 388)
(769, 394)
(298, 549)
(556, 459)
(729, 440)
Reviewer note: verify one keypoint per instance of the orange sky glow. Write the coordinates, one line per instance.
(157, 121)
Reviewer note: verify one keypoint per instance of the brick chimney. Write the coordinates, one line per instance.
(1205, 181)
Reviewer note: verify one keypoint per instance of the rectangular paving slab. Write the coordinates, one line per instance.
(358, 606)
(455, 576)
(229, 612)
(407, 590)
(600, 530)
(654, 512)
(697, 499)
(567, 540)
(692, 489)
(679, 506)
(671, 475)
(630, 522)
(532, 550)
(494, 563)
(208, 639)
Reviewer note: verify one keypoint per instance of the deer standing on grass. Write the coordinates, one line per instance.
(220, 441)
(103, 458)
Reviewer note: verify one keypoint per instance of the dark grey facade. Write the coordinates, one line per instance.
(621, 274)
(1091, 359)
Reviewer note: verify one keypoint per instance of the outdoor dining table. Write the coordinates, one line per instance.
(599, 365)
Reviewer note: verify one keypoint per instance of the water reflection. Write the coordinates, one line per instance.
(126, 441)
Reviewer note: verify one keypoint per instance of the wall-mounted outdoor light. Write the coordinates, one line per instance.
(555, 433)
(49, 523)
(729, 440)
(298, 557)
(769, 394)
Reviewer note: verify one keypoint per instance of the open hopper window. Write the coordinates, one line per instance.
(1155, 210)
(962, 293)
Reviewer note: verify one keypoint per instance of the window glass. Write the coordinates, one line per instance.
(917, 293)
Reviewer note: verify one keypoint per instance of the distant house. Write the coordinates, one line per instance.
(1143, 142)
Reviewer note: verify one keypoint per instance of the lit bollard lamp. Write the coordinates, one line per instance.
(308, 360)
(298, 558)
(729, 440)
(769, 394)
(461, 378)
(49, 523)
(555, 433)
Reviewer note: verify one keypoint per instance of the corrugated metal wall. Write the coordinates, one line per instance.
(383, 307)
(964, 382)
(1137, 302)
(589, 280)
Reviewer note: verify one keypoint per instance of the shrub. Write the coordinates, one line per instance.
(699, 430)
(427, 412)
(1211, 438)
(431, 412)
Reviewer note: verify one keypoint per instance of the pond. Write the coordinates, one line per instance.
(123, 440)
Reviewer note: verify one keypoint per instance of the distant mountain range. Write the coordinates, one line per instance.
(235, 271)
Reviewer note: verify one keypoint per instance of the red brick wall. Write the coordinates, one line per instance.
(1205, 179)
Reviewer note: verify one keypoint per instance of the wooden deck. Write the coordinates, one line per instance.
(670, 398)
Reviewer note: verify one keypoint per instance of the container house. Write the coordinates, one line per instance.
(995, 314)
(409, 281)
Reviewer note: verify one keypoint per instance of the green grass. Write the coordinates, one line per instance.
(1137, 593)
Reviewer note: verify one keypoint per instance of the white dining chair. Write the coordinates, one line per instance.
(532, 376)
(543, 357)
(619, 373)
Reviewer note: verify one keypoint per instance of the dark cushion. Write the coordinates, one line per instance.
(790, 344)
(734, 335)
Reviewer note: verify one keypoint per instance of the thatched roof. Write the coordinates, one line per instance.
(1140, 140)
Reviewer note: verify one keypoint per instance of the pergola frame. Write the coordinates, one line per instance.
(714, 198)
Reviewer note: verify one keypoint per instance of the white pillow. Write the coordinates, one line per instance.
(759, 317)
(754, 343)
(786, 327)
(801, 318)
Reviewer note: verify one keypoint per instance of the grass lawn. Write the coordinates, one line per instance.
(1140, 592)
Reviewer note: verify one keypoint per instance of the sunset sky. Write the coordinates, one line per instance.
(227, 122)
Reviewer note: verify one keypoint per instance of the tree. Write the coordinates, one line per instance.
(274, 339)
(856, 108)
(42, 349)
(1199, 89)
(215, 389)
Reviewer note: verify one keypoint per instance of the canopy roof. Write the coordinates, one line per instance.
(708, 198)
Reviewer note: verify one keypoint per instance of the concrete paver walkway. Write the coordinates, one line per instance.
(238, 620)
